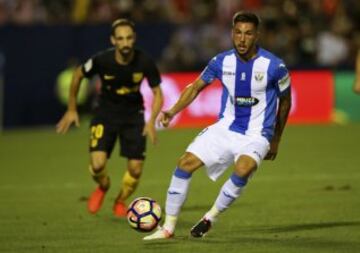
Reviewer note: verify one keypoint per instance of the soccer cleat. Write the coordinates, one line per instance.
(95, 200)
(201, 228)
(161, 233)
(119, 209)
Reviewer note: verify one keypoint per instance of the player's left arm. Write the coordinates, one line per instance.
(153, 77)
(281, 118)
(157, 103)
(283, 87)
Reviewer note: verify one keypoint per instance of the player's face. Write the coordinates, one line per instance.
(244, 36)
(123, 40)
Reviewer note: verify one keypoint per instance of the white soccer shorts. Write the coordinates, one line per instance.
(218, 148)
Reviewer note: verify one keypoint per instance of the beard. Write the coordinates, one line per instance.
(244, 50)
(126, 51)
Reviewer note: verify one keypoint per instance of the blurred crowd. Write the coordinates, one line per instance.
(305, 33)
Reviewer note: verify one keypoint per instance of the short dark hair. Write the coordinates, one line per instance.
(121, 22)
(246, 17)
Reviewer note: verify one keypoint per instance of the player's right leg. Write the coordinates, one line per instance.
(176, 195)
(102, 140)
(99, 174)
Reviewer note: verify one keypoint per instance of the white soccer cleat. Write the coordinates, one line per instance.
(161, 233)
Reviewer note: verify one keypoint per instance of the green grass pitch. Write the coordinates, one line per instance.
(308, 200)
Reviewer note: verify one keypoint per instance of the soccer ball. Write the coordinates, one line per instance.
(144, 214)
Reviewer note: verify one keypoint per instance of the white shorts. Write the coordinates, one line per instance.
(218, 148)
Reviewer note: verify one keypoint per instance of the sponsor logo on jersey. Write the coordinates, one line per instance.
(137, 77)
(228, 73)
(246, 101)
(259, 76)
(108, 77)
(126, 90)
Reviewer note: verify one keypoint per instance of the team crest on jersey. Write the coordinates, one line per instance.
(137, 77)
(243, 76)
(259, 76)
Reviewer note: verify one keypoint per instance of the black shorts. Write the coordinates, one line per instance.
(104, 132)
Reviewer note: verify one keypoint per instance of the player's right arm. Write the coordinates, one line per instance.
(186, 97)
(71, 115)
(191, 91)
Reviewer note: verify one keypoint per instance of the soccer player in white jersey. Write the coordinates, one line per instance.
(255, 104)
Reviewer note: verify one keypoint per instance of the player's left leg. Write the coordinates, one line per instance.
(130, 182)
(230, 191)
(133, 147)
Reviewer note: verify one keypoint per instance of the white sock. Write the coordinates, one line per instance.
(176, 196)
(170, 223)
(230, 191)
(212, 214)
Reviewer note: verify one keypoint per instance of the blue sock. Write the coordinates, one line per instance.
(230, 191)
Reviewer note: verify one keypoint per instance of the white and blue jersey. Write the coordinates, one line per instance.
(250, 90)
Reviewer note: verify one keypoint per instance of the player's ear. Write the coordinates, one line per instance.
(257, 36)
(232, 32)
(112, 40)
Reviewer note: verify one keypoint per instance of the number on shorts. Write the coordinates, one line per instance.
(96, 134)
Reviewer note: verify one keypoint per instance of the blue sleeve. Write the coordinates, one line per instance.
(282, 79)
(211, 71)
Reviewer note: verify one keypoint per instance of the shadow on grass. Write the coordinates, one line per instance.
(302, 227)
(211, 243)
(271, 237)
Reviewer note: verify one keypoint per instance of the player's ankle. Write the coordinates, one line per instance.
(104, 188)
(170, 223)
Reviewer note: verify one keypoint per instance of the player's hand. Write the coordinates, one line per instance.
(69, 117)
(165, 118)
(150, 131)
(271, 155)
(356, 87)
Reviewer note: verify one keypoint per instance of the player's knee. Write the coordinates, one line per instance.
(245, 168)
(135, 168)
(98, 165)
(135, 172)
(189, 163)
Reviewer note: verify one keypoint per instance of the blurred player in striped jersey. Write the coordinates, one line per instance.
(255, 104)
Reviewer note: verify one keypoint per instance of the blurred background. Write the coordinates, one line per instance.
(42, 40)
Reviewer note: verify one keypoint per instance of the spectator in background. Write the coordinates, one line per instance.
(333, 47)
(356, 86)
(298, 31)
(4, 12)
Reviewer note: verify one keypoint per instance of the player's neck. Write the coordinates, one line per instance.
(123, 60)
